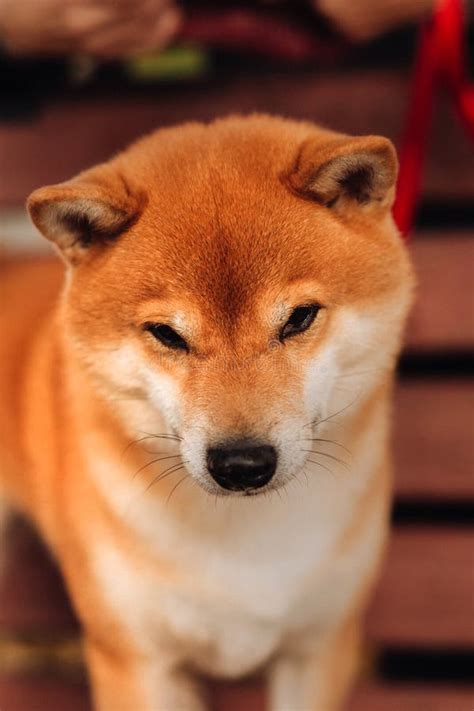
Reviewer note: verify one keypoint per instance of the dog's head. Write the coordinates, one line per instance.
(242, 280)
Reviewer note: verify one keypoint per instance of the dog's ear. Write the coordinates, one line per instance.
(342, 171)
(91, 209)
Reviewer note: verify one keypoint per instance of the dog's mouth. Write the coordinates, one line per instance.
(239, 493)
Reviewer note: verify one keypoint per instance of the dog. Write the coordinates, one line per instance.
(196, 416)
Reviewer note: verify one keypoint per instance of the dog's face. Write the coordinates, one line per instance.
(241, 280)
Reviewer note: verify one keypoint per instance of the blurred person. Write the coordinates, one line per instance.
(363, 20)
(103, 28)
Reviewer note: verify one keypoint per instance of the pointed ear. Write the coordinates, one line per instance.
(344, 170)
(93, 208)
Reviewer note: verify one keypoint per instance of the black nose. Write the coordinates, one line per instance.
(239, 466)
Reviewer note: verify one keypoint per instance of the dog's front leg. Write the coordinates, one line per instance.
(129, 681)
(316, 675)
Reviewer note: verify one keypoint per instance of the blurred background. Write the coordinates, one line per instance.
(79, 79)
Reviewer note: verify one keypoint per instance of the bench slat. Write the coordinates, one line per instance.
(432, 438)
(426, 593)
(443, 314)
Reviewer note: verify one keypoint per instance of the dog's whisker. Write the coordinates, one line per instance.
(315, 423)
(329, 441)
(168, 472)
(161, 435)
(279, 494)
(155, 451)
(329, 456)
(135, 442)
(144, 438)
(154, 461)
(175, 487)
(303, 471)
(330, 471)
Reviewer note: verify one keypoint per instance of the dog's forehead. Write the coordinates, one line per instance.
(225, 251)
(220, 220)
(228, 254)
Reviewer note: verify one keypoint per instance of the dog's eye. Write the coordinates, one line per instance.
(167, 336)
(300, 320)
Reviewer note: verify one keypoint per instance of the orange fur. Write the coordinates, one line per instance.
(219, 230)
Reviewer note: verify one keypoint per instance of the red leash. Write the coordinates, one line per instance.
(440, 61)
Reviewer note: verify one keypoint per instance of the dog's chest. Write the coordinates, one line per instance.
(215, 636)
(223, 616)
(225, 603)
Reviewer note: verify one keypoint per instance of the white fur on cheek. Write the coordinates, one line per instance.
(361, 347)
(164, 395)
(142, 396)
(157, 406)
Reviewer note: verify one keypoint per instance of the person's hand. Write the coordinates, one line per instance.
(365, 19)
(107, 28)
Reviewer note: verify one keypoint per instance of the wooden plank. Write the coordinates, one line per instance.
(19, 694)
(411, 697)
(426, 593)
(71, 135)
(432, 438)
(443, 315)
(367, 696)
(32, 597)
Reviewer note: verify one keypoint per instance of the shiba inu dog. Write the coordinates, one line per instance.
(196, 418)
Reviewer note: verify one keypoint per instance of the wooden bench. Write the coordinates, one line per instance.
(424, 602)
